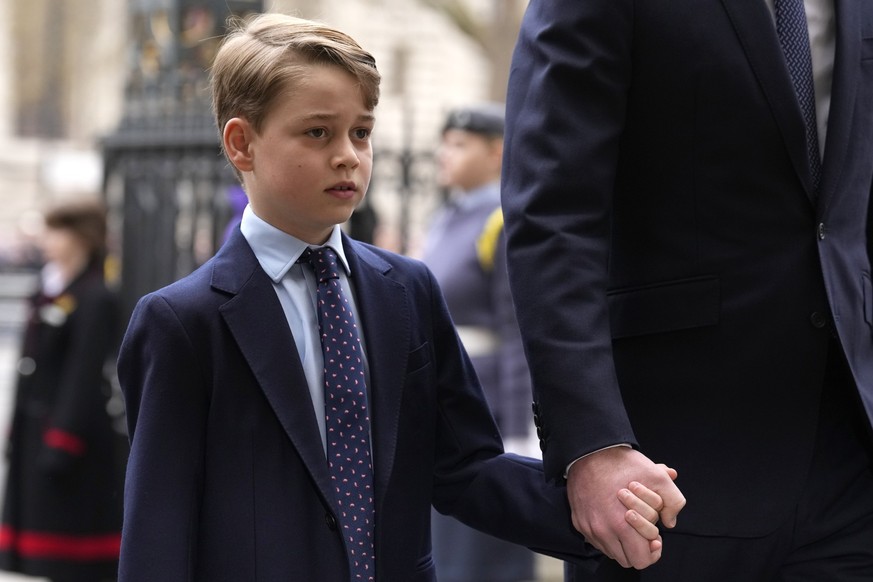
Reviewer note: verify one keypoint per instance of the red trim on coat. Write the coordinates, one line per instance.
(66, 441)
(36, 545)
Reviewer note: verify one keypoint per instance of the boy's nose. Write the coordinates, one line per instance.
(346, 154)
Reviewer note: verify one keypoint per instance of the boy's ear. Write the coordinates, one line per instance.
(236, 138)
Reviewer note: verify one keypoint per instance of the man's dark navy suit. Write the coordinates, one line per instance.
(227, 478)
(677, 279)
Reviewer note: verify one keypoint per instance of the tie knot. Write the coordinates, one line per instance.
(323, 261)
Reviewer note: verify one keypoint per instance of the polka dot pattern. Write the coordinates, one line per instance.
(347, 417)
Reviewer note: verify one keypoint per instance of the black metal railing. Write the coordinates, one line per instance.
(170, 204)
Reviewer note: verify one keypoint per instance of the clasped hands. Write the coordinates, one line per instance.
(623, 525)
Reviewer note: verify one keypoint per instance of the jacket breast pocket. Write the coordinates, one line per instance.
(665, 306)
(418, 358)
(867, 49)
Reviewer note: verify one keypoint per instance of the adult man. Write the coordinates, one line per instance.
(693, 280)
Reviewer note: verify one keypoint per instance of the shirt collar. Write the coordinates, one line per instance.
(278, 251)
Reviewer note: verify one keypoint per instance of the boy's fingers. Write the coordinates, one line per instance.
(645, 501)
(643, 526)
(650, 531)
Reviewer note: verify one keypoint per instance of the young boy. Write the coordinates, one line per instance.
(256, 456)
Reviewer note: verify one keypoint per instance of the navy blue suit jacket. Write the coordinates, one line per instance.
(676, 277)
(227, 478)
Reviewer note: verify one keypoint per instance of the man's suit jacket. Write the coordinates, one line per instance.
(227, 479)
(676, 277)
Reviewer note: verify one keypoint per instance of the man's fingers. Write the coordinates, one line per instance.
(601, 539)
(599, 511)
(670, 471)
(674, 501)
(637, 551)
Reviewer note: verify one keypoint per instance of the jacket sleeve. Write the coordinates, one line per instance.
(566, 104)
(498, 493)
(166, 398)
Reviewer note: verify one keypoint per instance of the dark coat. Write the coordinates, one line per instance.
(62, 510)
(677, 279)
(227, 479)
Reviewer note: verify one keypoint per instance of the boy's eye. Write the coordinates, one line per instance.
(317, 132)
(362, 133)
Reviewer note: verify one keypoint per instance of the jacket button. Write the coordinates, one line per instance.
(821, 231)
(331, 521)
(26, 366)
(818, 319)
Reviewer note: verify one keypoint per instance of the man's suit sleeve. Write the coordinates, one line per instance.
(164, 391)
(565, 116)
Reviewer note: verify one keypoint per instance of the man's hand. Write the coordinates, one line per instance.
(595, 486)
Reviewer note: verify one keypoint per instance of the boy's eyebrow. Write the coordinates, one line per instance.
(368, 117)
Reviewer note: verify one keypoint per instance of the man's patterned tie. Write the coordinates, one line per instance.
(794, 38)
(346, 413)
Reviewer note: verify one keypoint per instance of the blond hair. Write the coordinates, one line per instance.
(265, 56)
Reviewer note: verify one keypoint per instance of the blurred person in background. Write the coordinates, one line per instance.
(62, 511)
(466, 251)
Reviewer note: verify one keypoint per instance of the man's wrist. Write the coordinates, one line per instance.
(574, 461)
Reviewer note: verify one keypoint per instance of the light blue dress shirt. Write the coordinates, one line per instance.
(295, 286)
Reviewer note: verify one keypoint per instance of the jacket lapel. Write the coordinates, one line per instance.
(269, 350)
(385, 318)
(753, 24)
(843, 93)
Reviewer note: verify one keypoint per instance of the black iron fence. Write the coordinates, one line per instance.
(169, 198)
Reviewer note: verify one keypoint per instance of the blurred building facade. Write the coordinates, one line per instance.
(62, 73)
(70, 71)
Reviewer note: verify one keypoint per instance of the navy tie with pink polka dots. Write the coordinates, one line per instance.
(347, 417)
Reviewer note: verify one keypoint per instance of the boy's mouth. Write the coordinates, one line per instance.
(343, 189)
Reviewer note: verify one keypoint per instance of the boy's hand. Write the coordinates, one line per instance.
(643, 507)
(592, 485)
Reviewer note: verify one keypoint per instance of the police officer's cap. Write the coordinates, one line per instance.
(485, 119)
